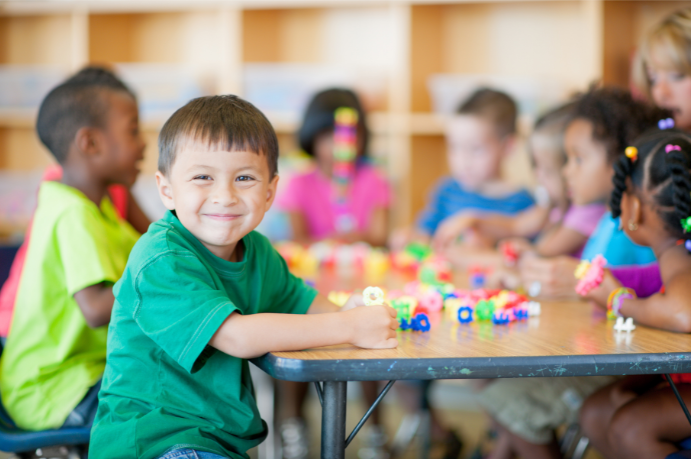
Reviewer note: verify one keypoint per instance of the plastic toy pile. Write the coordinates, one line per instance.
(501, 307)
(332, 254)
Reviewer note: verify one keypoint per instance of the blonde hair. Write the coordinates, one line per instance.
(670, 42)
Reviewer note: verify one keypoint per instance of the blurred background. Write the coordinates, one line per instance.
(411, 62)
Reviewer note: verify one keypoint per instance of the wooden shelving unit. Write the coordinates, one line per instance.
(574, 42)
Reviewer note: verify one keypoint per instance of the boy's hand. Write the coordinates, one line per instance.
(355, 300)
(600, 294)
(451, 228)
(373, 327)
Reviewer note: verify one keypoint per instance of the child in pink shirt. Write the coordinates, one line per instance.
(310, 201)
(309, 198)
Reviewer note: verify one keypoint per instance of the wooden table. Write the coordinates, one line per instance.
(567, 339)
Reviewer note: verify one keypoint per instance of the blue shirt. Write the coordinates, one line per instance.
(613, 244)
(449, 198)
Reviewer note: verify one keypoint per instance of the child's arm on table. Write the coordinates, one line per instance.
(372, 327)
(96, 304)
(497, 226)
(555, 275)
(559, 241)
(377, 229)
(669, 311)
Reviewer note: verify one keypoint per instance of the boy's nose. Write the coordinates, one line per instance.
(224, 196)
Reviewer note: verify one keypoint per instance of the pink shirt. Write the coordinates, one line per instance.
(584, 219)
(311, 195)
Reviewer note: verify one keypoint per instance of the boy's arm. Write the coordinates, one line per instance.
(96, 304)
(372, 327)
(497, 226)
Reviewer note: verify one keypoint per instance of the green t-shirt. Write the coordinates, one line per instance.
(164, 387)
(52, 357)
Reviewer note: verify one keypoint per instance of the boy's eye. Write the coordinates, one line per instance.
(244, 178)
(202, 177)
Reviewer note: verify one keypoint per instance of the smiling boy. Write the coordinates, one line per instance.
(202, 292)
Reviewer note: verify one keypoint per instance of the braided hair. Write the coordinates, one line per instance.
(660, 169)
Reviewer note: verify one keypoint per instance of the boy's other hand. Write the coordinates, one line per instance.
(451, 228)
(355, 300)
(374, 327)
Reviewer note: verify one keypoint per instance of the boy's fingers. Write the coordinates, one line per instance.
(391, 343)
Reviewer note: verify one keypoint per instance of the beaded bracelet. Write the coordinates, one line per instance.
(615, 299)
(590, 274)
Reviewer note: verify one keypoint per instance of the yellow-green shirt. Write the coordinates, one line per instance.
(52, 356)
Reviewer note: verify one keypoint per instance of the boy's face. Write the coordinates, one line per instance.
(475, 151)
(123, 145)
(219, 196)
(588, 173)
(548, 166)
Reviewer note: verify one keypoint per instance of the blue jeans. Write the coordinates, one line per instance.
(190, 454)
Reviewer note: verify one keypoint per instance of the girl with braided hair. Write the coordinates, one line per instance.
(639, 416)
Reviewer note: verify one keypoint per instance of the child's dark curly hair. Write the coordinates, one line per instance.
(661, 169)
(617, 118)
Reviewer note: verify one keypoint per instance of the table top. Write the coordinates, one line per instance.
(567, 339)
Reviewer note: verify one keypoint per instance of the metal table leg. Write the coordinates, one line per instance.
(333, 420)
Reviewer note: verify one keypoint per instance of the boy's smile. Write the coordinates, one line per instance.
(219, 196)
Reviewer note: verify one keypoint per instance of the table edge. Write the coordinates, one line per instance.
(292, 369)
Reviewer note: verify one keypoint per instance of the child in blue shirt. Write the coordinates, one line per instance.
(479, 138)
(202, 292)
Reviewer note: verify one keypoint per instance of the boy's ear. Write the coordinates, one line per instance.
(271, 192)
(88, 140)
(165, 190)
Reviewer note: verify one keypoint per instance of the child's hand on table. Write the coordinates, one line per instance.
(451, 228)
(600, 294)
(549, 277)
(520, 245)
(373, 327)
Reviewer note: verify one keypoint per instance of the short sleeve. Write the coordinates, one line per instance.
(289, 294)
(431, 216)
(179, 307)
(85, 250)
(583, 219)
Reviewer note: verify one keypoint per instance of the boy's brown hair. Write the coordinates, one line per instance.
(226, 122)
(496, 107)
